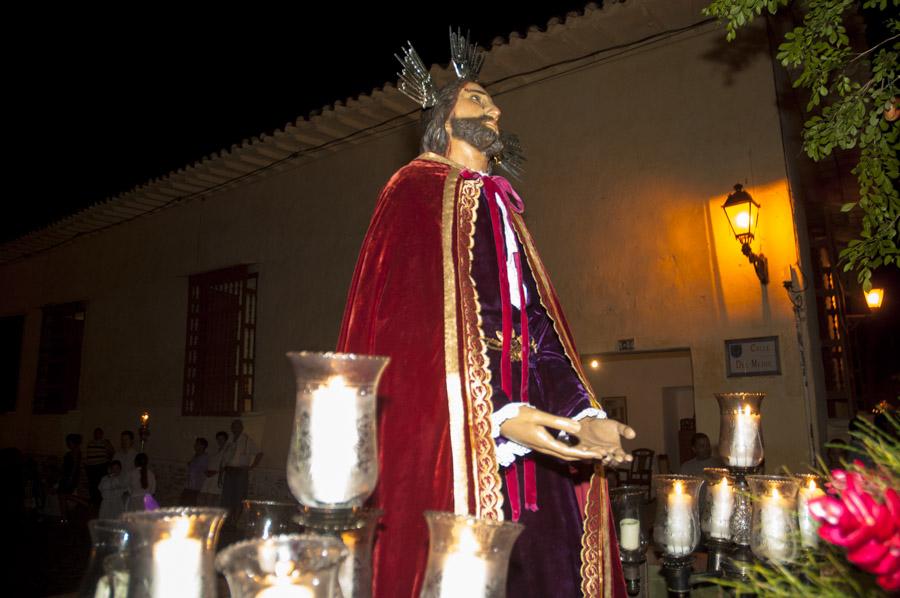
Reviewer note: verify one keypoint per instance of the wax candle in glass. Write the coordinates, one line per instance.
(467, 556)
(286, 566)
(717, 504)
(740, 432)
(333, 460)
(809, 488)
(774, 524)
(677, 527)
(172, 552)
(626, 506)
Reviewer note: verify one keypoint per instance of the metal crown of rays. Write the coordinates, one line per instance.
(416, 84)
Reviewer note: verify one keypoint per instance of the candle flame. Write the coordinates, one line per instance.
(337, 383)
(284, 568)
(467, 542)
(679, 488)
(812, 484)
(723, 485)
(145, 417)
(181, 529)
(775, 494)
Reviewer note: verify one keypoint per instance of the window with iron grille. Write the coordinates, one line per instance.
(11, 328)
(59, 358)
(221, 342)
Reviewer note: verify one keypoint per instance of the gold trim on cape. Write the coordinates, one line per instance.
(477, 379)
(455, 403)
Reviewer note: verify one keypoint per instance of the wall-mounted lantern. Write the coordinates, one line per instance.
(743, 216)
(874, 299)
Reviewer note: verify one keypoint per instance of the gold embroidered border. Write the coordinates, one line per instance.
(488, 496)
(455, 403)
(596, 571)
(543, 281)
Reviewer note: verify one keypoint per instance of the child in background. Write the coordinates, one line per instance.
(196, 473)
(113, 488)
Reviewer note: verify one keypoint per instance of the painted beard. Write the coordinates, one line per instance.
(473, 132)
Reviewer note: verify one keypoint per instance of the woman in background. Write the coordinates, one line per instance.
(141, 483)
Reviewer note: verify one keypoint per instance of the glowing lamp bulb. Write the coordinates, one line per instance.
(874, 298)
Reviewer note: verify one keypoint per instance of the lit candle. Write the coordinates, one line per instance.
(745, 439)
(145, 419)
(279, 561)
(808, 525)
(679, 538)
(774, 526)
(464, 572)
(333, 440)
(178, 564)
(629, 534)
(722, 506)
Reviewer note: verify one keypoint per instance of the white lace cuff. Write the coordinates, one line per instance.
(595, 412)
(508, 451)
(508, 411)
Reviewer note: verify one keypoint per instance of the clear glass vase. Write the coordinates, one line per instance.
(333, 459)
(773, 534)
(626, 507)
(740, 430)
(676, 530)
(266, 518)
(809, 486)
(717, 503)
(288, 566)
(467, 556)
(172, 552)
(108, 536)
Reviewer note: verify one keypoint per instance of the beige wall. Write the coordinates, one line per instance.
(629, 160)
(646, 380)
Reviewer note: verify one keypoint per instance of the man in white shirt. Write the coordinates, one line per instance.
(241, 454)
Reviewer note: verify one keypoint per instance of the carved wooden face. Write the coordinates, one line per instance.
(474, 102)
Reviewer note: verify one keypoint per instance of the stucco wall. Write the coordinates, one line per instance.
(629, 160)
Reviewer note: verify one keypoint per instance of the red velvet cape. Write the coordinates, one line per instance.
(412, 298)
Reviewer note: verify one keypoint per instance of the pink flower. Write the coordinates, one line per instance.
(870, 531)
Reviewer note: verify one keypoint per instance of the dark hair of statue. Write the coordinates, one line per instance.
(434, 136)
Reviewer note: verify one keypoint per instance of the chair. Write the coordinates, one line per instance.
(641, 472)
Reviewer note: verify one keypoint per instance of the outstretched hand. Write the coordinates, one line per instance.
(601, 442)
(605, 435)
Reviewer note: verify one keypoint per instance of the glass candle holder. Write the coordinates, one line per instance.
(626, 506)
(333, 459)
(740, 432)
(108, 536)
(677, 528)
(172, 552)
(809, 487)
(467, 556)
(116, 567)
(288, 566)
(717, 502)
(266, 518)
(773, 534)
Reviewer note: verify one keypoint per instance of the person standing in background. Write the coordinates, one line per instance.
(241, 455)
(98, 454)
(126, 453)
(196, 473)
(211, 492)
(141, 482)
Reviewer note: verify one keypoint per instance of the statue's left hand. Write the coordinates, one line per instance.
(606, 435)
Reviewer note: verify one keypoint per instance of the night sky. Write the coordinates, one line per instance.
(104, 101)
